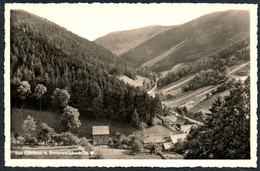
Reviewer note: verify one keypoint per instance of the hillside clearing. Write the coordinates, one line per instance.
(175, 68)
(138, 82)
(163, 55)
(177, 84)
(187, 97)
(207, 103)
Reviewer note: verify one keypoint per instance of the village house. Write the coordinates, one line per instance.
(176, 137)
(171, 120)
(181, 121)
(167, 146)
(100, 135)
(173, 139)
(187, 128)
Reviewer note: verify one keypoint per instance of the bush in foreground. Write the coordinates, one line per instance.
(97, 155)
(84, 143)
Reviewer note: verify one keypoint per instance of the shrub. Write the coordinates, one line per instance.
(111, 142)
(29, 140)
(57, 138)
(97, 155)
(45, 134)
(120, 140)
(20, 140)
(125, 140)
(69, 138)
(84, 143)
(153, 148)
(137, 146)
(179, 147)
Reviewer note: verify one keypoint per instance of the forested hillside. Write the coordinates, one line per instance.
(198, 38)
(70, 44)
(44, 54)
(234, 54)
(121, 41)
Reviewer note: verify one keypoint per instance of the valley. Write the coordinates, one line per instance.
(135, 94)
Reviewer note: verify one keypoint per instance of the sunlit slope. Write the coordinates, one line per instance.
(202, 36)
(121, 41)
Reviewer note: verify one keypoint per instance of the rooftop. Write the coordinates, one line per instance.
(176, 137)
(100, 130)
(171, 118)
(168, 145)
(181, 121)
(186, 128)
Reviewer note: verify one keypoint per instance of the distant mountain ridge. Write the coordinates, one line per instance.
(122, 41)
(204, 35)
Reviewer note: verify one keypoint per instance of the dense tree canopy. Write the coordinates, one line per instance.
(44, 53)
(225, 135)
(39, 91)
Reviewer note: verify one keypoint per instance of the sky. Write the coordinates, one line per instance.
(95, 20)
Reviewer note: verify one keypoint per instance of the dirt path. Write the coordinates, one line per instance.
(155, 86)
(193, 94)
(238, 68)
(174, 85)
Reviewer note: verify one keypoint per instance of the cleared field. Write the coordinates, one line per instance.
(243, 71)
(52, 119)
(206, 104)
(173, 69)
(194, 100)
(177, 84)
(237, 68)
(190, 97)
(137, 82)
(158, 130)
(48, 117)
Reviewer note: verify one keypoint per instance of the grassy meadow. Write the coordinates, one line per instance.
(52, 119)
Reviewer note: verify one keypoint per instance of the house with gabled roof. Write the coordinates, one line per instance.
(100, 135)
(181, 121)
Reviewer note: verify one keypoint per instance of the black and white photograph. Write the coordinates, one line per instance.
(160, 85)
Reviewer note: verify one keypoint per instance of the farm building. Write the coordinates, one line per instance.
(176, 137)
(100, 135)
(181, 121)
(171, 120)
(187, 128)
(167, 146)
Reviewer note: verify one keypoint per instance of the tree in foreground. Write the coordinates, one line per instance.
(64, 97)
(70, 119)
(55, 98)
(226, 135)
(24, 90)
(45, 133)
(135, 119)
(29, 125)
(39, 92)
